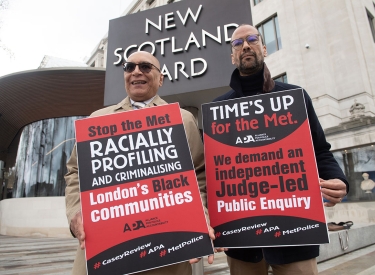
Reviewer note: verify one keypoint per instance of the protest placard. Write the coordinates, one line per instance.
(262, 180)
(141, 204)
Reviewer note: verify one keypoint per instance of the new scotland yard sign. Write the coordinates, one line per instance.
(190, 38)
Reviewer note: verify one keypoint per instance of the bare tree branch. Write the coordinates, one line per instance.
(7, 50)
(4, 4)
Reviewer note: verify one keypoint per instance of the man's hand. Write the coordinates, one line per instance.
(211, 233)
(76, 226)
(332, 190)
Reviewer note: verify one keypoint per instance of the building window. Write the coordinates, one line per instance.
(271, 34)
(149, 2)
(372, 24)
(257, 2)
(358, 165)
(281, 78)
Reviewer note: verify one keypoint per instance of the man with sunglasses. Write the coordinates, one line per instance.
(142, 81)
(252, 77)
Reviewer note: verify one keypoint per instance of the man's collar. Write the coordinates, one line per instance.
(126, 104)
(268, 82)
(146, 102)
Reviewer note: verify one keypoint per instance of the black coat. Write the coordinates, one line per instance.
(327, 166)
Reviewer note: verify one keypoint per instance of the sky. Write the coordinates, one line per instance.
(68, 29)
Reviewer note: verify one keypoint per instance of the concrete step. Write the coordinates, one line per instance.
(26, 255)
(345, 241)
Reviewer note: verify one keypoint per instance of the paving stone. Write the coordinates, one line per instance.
(53, 256)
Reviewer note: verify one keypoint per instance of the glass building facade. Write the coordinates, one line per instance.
(44, 148)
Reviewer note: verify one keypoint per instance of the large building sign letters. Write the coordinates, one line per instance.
(191, 41)
(190, 38)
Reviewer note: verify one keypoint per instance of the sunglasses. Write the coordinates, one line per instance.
(144, 67)
(252, 39)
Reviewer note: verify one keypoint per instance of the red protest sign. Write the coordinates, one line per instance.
(262, 180)
(141, 204)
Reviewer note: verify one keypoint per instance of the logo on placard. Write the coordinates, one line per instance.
(136, 226)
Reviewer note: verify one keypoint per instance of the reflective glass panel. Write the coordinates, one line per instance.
(269, 37)
(358, 165)
(43, 150)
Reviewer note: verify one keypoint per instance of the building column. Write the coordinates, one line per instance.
(2, 180)
(198, 268)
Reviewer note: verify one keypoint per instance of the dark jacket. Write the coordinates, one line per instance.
(327, 166)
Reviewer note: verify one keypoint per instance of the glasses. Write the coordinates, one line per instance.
(144, 67)
(252, 39)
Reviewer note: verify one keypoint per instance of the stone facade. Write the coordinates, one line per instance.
(339, 65)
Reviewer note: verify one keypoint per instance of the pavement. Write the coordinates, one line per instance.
(26, 255)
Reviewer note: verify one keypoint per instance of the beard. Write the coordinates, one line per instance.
(252, 66)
